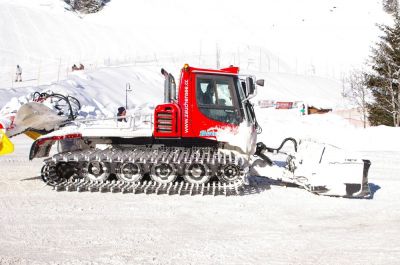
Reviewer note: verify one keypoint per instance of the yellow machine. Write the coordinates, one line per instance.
(6, 145)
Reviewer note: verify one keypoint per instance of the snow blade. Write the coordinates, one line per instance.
(36, 117)
(6, 146)
(319, 168)
(327, 170)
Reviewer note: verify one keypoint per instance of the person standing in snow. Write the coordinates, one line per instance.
(18, 74)
(121, 113)
(303, 110)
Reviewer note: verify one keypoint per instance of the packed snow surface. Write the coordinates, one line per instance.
(275, 225)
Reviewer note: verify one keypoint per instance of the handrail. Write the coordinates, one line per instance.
(132, 121)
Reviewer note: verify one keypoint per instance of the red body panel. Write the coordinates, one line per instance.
(167, 121)
(191, 123)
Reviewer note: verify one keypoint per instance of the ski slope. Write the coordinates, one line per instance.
(309, 38)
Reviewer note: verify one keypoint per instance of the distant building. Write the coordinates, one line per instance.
(316, 110)
(266, 103)
(284, 105)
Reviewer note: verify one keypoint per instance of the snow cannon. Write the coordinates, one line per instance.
(6, 146)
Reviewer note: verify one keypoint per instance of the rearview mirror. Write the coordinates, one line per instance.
(250, 86)
(260, 82)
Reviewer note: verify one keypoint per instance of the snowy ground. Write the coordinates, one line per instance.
(275, 226)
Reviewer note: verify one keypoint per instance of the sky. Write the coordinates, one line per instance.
(334, 34)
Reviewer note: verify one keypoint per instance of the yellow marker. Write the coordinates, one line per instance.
(6, 146)
(32, 134)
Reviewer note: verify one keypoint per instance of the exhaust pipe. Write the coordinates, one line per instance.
(169, 87)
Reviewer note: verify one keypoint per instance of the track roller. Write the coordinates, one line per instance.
(130, 172)
(197, 173)
(97, 171)
(229, 173)
(163, 173)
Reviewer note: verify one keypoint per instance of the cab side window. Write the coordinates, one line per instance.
(205, 92)
(224, 93)
(216, 98)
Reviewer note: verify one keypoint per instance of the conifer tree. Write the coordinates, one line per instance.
(86, 6)
(384, 80)
(390, 6)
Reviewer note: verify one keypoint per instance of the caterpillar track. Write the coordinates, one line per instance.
(148, 170)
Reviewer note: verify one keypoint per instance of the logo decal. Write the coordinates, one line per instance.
(186, 107)
(208, 134)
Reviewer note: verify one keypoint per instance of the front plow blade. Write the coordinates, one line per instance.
(320, 168)
(336, 180)
(327, 170)
(6, 146)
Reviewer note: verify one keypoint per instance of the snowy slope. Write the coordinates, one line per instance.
(104, 88)
(102, 91)
(268, 38)
(307, 37)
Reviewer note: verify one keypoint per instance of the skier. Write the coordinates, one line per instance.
(18, 74)
(121, 113)
(303, 110)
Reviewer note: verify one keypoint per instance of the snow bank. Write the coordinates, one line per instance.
(327, 128)
(101, 92)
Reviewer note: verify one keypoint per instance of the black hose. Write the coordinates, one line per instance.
(269, 149)
(67, 99)
(261, 147)
(253, 115)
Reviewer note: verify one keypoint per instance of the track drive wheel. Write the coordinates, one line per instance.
(197, 173)
(48, 174)
(130, 172)
(97, 171)
(163, 173)
(229, 173)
